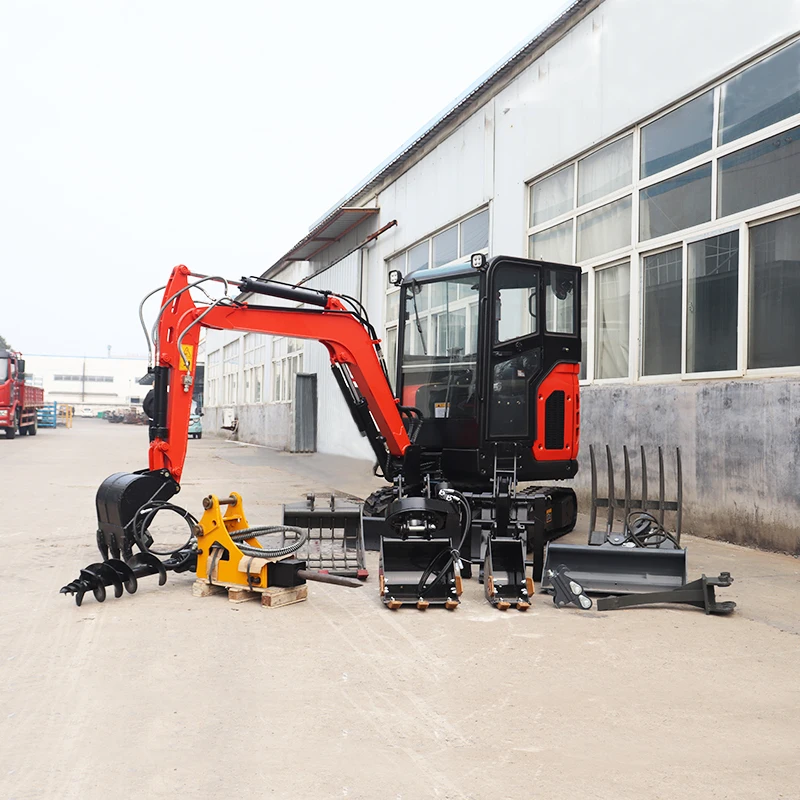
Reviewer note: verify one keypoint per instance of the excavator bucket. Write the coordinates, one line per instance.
(504, 579)
(418, 571)
(617, 570)
(335, 537)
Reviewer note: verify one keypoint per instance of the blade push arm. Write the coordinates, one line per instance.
(352, 352)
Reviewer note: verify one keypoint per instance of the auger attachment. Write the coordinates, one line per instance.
(114, 572)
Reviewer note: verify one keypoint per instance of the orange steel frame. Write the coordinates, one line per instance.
(346, 339)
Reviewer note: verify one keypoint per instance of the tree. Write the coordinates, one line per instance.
(4, 345)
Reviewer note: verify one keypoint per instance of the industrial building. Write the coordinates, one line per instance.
(87, 383)
(655, 144)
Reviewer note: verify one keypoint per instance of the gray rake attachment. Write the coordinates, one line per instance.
(335, 535)
(614, 562)
(627, 504)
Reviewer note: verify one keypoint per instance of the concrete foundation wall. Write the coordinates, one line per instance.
(740, 446)
(269, 424)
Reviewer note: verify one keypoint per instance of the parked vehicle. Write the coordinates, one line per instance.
(195, 426)
(19, 400)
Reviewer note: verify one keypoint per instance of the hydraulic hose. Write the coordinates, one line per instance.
(143, 519)
(264, 530)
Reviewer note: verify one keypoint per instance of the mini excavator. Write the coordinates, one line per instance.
(486, 398)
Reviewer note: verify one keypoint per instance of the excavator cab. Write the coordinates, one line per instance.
(488, 362)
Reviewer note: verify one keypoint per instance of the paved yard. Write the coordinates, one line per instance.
(162, 694)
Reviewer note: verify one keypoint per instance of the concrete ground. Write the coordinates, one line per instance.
(163, 694)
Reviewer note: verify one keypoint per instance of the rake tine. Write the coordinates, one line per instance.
(660, 486)
(627, 509)
(679, 515)
(593, 513)
(644, 480)
(612, 500)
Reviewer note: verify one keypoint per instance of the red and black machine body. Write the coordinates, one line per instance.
(486, 397)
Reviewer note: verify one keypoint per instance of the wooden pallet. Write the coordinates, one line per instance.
(270, 597)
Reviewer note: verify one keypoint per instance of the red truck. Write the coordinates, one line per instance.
(18, 400)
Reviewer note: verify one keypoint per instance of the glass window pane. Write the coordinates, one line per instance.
(763, 94)
(392, 306)
(418, 256)
(678, 136)
(674, 204)
(775, 294)
(759, 174)
(516, 302)
(553, 196)
(662, 282)
(553, 244)
(475, 233)
(445, 246)
(605, 229)
(605, 171)
(613, 321)
(713, 304)
(390, 353)
(584, 324)
(559, 295)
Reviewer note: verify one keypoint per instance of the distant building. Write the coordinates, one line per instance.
(88, 382)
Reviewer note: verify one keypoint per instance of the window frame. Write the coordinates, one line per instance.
(742, 221)
(394, 260)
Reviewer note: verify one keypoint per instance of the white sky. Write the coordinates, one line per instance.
(140, 135)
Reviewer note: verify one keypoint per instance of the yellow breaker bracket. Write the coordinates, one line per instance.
(219, 558)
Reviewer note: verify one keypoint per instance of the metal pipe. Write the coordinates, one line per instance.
(325, 577)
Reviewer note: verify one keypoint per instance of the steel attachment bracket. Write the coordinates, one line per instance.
(567, 591)
(698, 593)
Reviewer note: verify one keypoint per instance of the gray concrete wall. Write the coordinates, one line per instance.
(740, 445)
(260, 423)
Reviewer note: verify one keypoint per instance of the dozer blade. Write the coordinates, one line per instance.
(335, 541)
(504, 580)
(418, 571)
(608, 569)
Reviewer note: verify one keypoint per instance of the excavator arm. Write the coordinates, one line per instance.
(355, 359)
(352, 349)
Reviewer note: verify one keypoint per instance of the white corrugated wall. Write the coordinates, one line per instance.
(336, 431)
